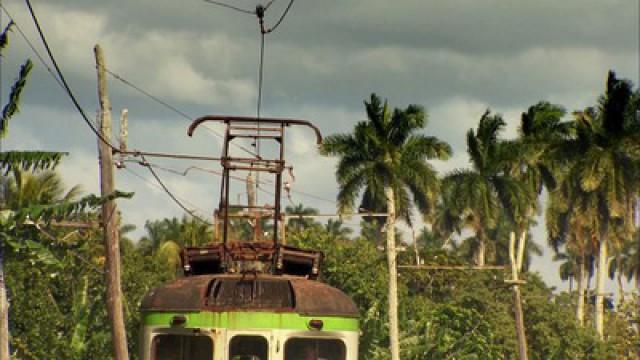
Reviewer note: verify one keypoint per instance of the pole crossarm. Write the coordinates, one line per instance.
(313, 216)
(453, 267)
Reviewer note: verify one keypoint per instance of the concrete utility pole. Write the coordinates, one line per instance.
(109, 219)
(516, 267)
(393, 274)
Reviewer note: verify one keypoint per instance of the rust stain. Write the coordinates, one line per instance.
(250, 292)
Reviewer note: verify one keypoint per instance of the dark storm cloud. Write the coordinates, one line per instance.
(334, 53)
(485, 26)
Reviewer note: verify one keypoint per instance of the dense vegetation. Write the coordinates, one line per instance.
(588, 164)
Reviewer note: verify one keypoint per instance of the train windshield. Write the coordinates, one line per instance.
(248, 347)
(182, 347)
(314, 349)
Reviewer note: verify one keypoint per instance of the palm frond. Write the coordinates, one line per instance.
(11, 108)
(29, 160)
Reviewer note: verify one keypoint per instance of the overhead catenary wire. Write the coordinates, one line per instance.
(284, 14)
(229, 6)
(186, 171)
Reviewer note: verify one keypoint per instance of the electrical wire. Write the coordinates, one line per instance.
(230, 7)
(173, 197)
(33, 48)
(266, 7)
(155, 185)
(149, 95)
(259, 13)
(284, 14)
(64, 81)
(238, 178)
(171, 107)
(215, 172)
(79, 108)
(260, 79)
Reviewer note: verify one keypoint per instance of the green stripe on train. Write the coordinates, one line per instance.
(253, 320)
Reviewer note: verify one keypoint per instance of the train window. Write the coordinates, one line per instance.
(182, 347)
(248, 347)
(314, 349)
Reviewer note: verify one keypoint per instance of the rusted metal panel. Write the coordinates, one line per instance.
(316, 298)
(262, 257)
(250, 292)
(185, 294)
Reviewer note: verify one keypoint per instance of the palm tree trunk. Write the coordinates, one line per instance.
(415, 246)
(570, 284)
(4, 312)
(581, 283)
(482, 247)
(619, 280)
(600, 279)
(393, 275)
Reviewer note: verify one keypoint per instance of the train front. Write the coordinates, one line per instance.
(249, 301)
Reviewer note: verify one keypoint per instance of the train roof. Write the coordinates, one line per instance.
(248, 293)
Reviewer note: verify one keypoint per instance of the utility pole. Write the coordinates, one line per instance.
(516, 267)
(393, 274)
(109, 218)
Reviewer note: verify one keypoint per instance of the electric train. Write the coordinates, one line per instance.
(270, 306)
(249, 300)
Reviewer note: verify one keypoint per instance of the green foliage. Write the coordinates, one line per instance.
(387, 150)
(443, 331)
(11, 108)
(449, 314)
(60, 211)
(483, 195)
(4, 36)
(29, 160)
(59, 313)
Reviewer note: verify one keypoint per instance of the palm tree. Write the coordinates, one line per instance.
(23, 188)
(385, 158)
(602, 159)
(568, 269)
(337, 230)
(630, 262)
(481, 194)
(569, 223)
(165, 238)
(299, 223)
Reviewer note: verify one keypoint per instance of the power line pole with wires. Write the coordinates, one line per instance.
(109, 218)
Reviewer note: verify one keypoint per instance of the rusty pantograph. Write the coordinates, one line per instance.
(258, 255)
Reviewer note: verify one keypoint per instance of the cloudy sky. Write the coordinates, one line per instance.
(455, 57)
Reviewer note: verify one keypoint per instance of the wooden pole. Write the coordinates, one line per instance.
(109, 219)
